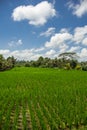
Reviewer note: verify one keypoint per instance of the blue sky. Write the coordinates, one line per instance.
(33, 28)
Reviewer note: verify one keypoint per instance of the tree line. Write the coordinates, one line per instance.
(67, 60)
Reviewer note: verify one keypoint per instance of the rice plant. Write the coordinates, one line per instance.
(43, 99)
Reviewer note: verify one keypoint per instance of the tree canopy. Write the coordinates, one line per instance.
(69, 55)
(6, 64)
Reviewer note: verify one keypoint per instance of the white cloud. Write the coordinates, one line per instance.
(27, 54)
(50, 53)
(67, 41)
(79, 9)
(4, 52)
(19, 42)
(58, 39)
(15, 43)
(64, 30)
(24, 54)
(36, 15)
(65, 37)
(80, 33)
(74, 48)
(63, 48)
(39, 49)
(84, 42)
(49, 32)
(83, 54)
(60, 42)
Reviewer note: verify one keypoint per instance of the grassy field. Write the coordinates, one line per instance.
(43, 99)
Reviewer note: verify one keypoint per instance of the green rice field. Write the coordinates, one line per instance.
(43, 99)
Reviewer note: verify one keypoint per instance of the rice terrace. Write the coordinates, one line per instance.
(43, 99)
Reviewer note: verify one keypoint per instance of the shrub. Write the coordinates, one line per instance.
(27, 65)
(78, 67)
(67, 67)
(84, 68)
(73, 64)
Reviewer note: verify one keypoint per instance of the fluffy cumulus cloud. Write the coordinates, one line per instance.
(84, 42)
(62, 41)
(83, 54)
(65, 37)
(49, 32)
(79, 9)
(50, 53)
(80, 34)
(36, 15)
(73, 41)
(59, 39)
(63, 48)
(74, 48)
(4, 52)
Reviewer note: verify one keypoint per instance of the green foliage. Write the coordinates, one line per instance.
(27, 64)
(67, 67)
(6, 64)
(60, 62)
(84, 68)
(43, 98)
(69, 55)
(78, 67)
(73, 64)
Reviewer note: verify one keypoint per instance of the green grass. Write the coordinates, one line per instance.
(43, 99)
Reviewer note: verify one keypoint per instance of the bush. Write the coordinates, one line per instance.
(67, 67)
(84, 68)
(27, 65)
(73, 64)
(78, 67)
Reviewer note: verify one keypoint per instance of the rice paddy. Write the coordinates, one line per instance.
(43, 99)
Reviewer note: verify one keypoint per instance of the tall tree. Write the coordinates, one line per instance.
(69, 57)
